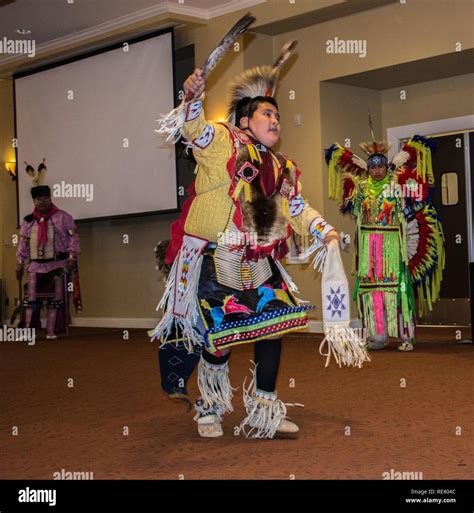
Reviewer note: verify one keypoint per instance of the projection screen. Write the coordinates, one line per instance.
(94, 122)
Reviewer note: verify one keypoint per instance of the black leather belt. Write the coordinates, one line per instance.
(380, 228)
(210, 248)
(59, 256)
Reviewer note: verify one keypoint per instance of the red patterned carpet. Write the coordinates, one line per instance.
(356, 424)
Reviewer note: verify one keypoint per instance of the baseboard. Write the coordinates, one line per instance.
(317, 326)
(6, 322)
(114, 322)
(147, 323)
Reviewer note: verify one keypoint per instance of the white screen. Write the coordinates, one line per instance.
(78, 116)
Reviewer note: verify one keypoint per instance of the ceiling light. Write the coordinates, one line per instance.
(23, 32)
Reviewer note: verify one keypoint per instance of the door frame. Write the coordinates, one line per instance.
(444, 127)
(438, 127)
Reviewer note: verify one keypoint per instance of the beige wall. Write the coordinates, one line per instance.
(117, 279)
(344, 117)
(342, 110)
(429, 34)
(429, 101)
(7, 194)
(120, 281)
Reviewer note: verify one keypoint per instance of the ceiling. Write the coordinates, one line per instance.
(49, 20)
(320, 15)
(63, 28)
(58, 25)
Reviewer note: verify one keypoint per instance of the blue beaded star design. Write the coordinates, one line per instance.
(335, 302)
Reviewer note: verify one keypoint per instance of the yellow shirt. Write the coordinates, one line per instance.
(211, 209)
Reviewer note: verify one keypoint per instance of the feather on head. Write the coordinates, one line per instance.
(373, 147)
(258, 81)
(38, 176)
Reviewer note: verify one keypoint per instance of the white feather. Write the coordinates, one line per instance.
(400, 158)
(360, 162)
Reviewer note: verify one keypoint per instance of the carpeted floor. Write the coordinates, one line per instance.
(356, 424)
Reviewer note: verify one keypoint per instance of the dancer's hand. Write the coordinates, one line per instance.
(332, 235)
(195, 84)
(20, 269)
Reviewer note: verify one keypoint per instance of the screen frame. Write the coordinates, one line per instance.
(86, 55)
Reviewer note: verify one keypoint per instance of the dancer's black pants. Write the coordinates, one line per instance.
(267, 358)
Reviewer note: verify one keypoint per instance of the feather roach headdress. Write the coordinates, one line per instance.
(258, 81)
(376, 150)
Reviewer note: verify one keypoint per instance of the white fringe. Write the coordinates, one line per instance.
(319, 248)
(172, 123)
(263, 415)
(413, 237)
(346, 345)
(190, 146)
(214, 385)
(288, 279)
(170, 322)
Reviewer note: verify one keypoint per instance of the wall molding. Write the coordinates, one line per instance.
(114, 322)
(429, 128)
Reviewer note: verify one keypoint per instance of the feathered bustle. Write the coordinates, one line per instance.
(328, 152)
(428, 142)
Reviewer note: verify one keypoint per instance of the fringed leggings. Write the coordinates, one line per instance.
(267, 358)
